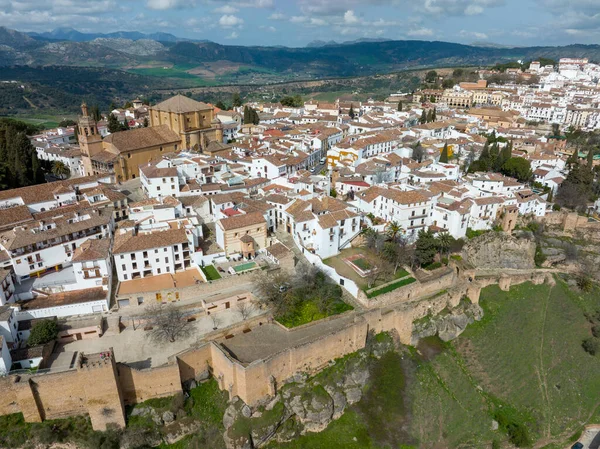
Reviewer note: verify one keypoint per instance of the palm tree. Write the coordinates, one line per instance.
(60, 170)
(393, 230)
(444, 240)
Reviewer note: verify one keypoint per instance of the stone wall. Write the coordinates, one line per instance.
(499, 250)
(101, 388)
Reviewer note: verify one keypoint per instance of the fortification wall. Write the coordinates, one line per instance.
(100, 389)
(140, 385)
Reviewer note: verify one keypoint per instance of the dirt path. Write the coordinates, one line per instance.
(29, 102)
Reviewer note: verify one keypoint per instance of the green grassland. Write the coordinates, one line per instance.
(523, 364)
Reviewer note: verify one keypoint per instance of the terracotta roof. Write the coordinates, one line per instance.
(92, 249)
(151, 171)
(139, 138)
(241, 221)
(180, 104)
(278, 250)
(127, 242)
(64, 298)
(14, 215)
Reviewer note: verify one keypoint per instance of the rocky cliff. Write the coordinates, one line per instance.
(499, 250)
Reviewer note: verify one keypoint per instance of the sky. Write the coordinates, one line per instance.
(295, 23)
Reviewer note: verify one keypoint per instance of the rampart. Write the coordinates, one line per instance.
(100, 387)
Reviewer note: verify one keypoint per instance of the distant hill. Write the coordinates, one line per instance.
(187, 59)
(70, 34)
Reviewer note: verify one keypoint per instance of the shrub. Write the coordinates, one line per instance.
(584, 282)
(390, 287)
(432, 266)
(596, 331)
(518, 435)
(539, 257)
(42, 332)
(590, 345)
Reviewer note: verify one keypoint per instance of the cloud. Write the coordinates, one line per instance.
(299, 19)
(162, 5)
(226, 9)
(233, 35)
(473, 34)
(277, 16)
(270, 29)
(350, 18)
(230, 21)
(420, 32)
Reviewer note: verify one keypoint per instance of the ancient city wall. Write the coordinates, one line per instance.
(140, 385)
(101, 388)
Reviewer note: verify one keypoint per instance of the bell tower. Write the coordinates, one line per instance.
(90, 140)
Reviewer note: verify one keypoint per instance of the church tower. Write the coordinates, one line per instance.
(90, 140)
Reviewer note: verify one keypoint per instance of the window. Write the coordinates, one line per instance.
(165, 250)
(125, 276)
(412, 214)
(123, 267)
(155, 251)
(158, 270)
(166, 260)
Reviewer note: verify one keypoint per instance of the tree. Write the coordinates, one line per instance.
(245, 309)
(423, 118)
(431, 76)
(236, 100)
(444, 155)
(168, 323)
(60, 170)
(125, 125)
(145, 123)
(555, 130)
(432, 99)
(294, 102)
(399, 106)
(517, 167)
(393, 230)
(434, 115)
(113, 124)
(426, 248)
(397, 253)
(95, 113)
(590, 158)
(351, 112)
(380, 268)
(418, 152)
(221, 105)
(42, 332)
(444, 242)
(429, 116)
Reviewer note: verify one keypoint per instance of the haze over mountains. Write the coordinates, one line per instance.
(132, 50)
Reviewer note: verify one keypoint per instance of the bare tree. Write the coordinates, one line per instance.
(168, 323)
(380, 268)
(245, 309)
(215, 320)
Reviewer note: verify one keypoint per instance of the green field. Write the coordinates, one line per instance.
(523, 363)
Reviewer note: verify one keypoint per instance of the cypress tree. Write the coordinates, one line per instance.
(430, 116)
(590, 158)
(434, 115)
(399, 106)
(444, 155)
(351, 112)
(423, 118)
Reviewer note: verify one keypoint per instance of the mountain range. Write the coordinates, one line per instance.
(194, 59)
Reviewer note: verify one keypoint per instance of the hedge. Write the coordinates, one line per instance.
(391, 287)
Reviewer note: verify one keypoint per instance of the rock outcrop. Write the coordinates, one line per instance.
(448, 325)
(304, 404)
(499, 250)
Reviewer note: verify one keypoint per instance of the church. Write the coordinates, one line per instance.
(176, 124)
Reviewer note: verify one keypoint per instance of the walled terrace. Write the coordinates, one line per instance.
(251, 359)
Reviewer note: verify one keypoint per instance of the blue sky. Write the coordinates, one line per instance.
(298, 22)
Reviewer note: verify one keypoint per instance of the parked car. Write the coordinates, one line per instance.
(312, 170)
(577, 446)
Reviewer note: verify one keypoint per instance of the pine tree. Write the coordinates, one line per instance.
(444, 155)
(113, 124)
(351, 112)
(399, 106)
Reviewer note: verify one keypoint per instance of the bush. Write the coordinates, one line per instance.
(539, 257)
(590, 345)
(432, 266)
(390, 287)
(42, 332)
(596, 331)
(518, 435)
(584, 282)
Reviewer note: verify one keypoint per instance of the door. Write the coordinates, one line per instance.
(78, 336)
(227, 305)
